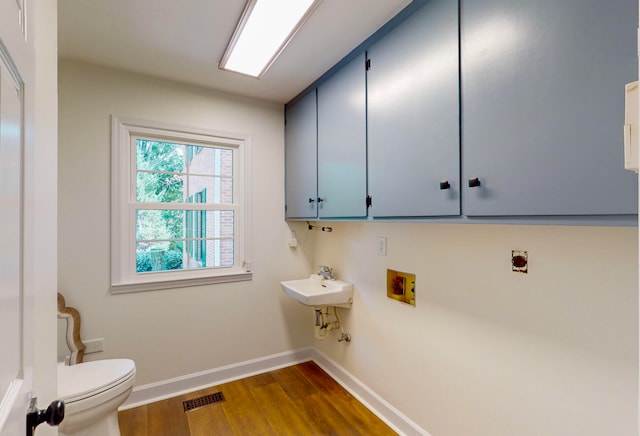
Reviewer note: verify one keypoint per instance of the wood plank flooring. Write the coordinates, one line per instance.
(298, 400)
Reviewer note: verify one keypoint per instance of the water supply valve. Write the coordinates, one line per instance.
(345, 337)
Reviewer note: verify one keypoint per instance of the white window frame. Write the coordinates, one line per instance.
(123, 206)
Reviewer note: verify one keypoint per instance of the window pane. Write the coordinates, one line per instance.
(209, 161)
(159, 156)
(159, 224)
(184, 239)
(170, 172)
(216, 190)
(226, 162)
(159, 187)
(226, 252)
(219, 224)
(160, 256)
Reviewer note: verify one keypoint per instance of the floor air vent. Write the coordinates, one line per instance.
(216, 397)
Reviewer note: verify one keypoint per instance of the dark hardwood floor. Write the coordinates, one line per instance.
(298, 400)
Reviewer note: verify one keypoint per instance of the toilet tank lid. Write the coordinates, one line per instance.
(84, 378)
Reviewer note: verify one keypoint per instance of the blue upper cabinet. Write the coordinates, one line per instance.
(342, 143)
(502, 110)
(543, 106)
(413, 116)
(300, 158)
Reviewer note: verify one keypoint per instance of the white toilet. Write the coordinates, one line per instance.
(92, 393)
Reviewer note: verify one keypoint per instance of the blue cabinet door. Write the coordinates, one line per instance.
(543, 106)
(342, 143)
(413, 116)
(301, 158)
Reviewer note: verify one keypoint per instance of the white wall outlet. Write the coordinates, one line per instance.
(381, 245)
(94, 345)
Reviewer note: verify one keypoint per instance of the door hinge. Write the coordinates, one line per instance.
(367, 64)
(368, 201)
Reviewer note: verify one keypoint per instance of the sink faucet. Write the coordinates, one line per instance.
(326, 272)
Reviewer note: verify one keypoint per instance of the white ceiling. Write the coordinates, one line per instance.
(184, 40)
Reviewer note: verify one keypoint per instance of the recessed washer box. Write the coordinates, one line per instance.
(401, 286)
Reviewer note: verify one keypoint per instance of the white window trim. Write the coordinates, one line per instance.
(123, 275)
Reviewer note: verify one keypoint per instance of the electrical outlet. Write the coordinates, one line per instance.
(381, 245)
(94, 346)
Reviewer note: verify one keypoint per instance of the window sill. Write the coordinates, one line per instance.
(125, 288)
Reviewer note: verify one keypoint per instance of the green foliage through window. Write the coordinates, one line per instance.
(169, 238)
(160, 182)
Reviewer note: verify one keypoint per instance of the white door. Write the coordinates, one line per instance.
(16, 306)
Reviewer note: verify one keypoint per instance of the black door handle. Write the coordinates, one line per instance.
(52, 416)
(445, 184)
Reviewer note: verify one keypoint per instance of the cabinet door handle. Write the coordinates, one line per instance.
(475, 182)
(320, 200)
(445, 184)
(311, 200)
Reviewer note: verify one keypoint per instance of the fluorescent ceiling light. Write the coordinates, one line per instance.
(264, 30)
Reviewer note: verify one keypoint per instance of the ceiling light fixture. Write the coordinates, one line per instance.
(264, 30)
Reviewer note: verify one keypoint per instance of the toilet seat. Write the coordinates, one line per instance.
(85, 380)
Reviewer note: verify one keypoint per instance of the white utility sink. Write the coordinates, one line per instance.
(319, 292)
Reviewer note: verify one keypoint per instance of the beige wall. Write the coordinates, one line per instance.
(487, 351)
(174, 332)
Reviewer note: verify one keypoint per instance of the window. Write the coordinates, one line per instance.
(178, 206)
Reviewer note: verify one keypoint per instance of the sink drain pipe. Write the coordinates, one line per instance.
(323, 328)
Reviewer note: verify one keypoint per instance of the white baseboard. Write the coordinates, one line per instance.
(153, 392)
(382, 409)
(158, 391)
